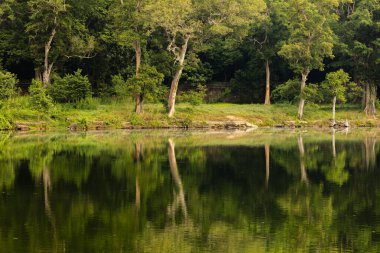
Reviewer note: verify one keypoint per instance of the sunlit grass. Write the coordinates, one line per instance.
(115, 113)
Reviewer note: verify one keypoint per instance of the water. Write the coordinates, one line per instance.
(190, 192)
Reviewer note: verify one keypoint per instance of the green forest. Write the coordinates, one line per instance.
(163, 63)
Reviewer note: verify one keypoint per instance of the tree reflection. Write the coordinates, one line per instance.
(179, 199)
(370, 152)
(267, 164)
(301, 149)
(80, 194)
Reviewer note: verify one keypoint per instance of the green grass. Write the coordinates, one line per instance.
(116, 114)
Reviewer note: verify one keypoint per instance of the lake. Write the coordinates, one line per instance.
(179, 191)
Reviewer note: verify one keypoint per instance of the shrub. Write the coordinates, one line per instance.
(121, 88)
(70, 88)
(287, 92)
(148, 84)
(290, 92)
(39, 99)
(194, 97)
(8, 83)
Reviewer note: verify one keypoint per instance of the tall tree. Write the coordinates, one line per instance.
(55, 33)
(183, 20)
(358, 46)
(335, 87)
(310, 37)
(129, 19)
(267, 36)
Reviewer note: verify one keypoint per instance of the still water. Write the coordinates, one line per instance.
(190, 192)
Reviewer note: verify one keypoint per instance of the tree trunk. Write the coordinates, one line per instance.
(302, 95)
(139, 104)
(137, 47)
(370, 99)
(138, 97)
(37, 74)
(333, 111)
(267, 164)
(177, 76)
(46, 76)
(267, 86)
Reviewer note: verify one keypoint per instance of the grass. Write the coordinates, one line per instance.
(117, 114)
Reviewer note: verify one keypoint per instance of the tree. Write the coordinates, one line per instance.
(8, 82)
(6, 10)
(71, 88)
(335, 87)
(128, 26)
(182, 20)
(310, 37)
(358, 46)
(54, 33)
(267, 38)
(146, 85)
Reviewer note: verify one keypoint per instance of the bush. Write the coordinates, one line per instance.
(70, 88)
(287, 92)
(8, 87)
(290, 92)
(194, 97)
(148, 84)
(121, 88)
(39, 100)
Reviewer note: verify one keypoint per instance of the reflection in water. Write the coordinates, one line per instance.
(179, 199)
(47, 187)
(186, 192)
(137, 157)
(370, 152)
(267, 165)
(333, 144)
(301, 149)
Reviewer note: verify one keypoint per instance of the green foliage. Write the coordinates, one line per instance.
(147, 84)
(195, 72)
(290, 91)
(53, 20)
(136, 120)
(70, 88)
(338, 84)
(311, 38)
(5, 123)
(354, 93)
(39, 99)
(8, 87)
(121, 87)
(194, 96)
(286, 92)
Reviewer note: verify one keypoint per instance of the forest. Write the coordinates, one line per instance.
(138, 59)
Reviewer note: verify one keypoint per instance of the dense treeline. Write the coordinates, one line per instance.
(152, 50)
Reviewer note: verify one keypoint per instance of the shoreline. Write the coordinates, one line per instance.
(206, 116)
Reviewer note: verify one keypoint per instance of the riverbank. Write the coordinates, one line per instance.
(95, 115)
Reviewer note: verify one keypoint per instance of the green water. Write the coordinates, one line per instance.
(190, 192)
